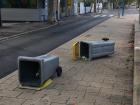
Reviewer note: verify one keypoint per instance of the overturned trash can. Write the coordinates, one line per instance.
(94, 49)
(34, 71)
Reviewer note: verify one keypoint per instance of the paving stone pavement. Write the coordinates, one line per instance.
(103, 81)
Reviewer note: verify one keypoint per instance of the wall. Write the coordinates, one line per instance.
(14, 14)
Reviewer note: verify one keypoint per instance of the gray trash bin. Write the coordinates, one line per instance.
(33, 71)
(94, 49)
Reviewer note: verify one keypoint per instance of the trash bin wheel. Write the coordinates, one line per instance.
(59, 71)
(105, 39)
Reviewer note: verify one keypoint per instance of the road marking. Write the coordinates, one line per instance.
(96, 16)
(21, 34)
(111, 15)
(103, 15)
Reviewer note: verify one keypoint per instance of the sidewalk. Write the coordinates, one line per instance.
(104, 81)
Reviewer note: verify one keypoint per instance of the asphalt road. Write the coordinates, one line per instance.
(41, 42)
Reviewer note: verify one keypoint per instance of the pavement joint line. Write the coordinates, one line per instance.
(23, 33)
(137, 48)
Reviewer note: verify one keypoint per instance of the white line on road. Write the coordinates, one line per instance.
(111, 15)
(21, 34)
(96, 16)
(103, 15)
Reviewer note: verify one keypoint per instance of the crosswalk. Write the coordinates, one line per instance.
(103, 15)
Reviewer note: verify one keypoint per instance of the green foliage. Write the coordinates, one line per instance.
(89, 2)
(129, 1)
(126, 1)
(19, 3)
(118, 3)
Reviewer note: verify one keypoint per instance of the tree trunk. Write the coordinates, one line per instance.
(91, 7)
(94, 6)
(50, 11)
(117, 4)
(139, 11)
(66, 8)
(85, 6)
(54, 10)
(0, 14)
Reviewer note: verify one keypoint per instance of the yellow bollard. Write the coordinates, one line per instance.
(76, 52)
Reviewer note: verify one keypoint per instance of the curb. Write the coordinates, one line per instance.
(136, 75)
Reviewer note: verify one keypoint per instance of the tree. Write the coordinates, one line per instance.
(130, 1)
(138, 2)
(89, 3)
(94, 1)
(116, 2)
(52, 11)
(85, 6)
(0, 14)
(0, 19)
